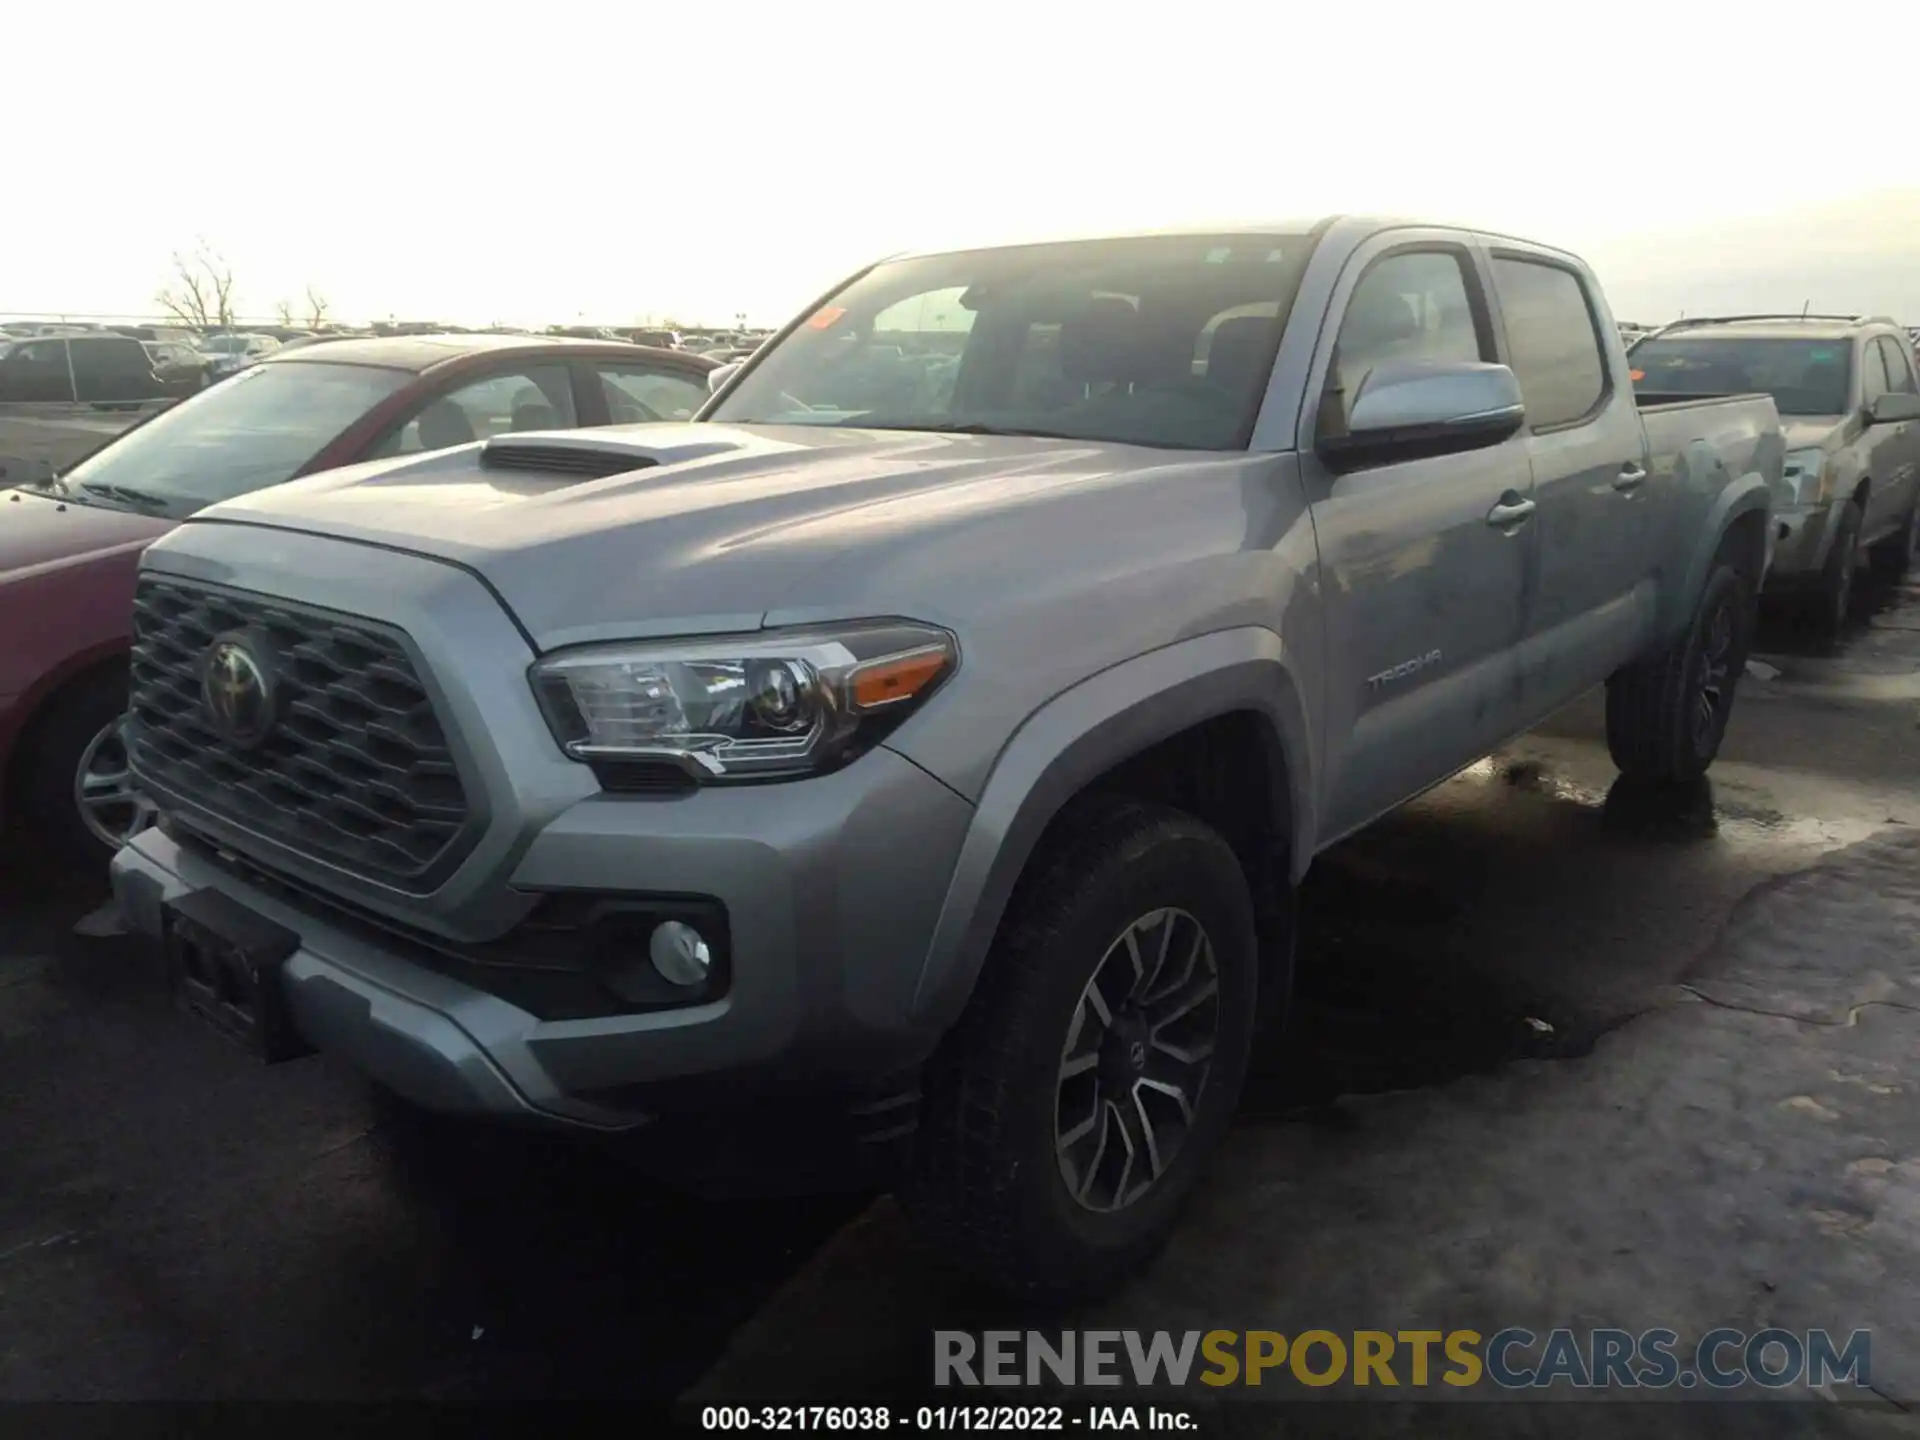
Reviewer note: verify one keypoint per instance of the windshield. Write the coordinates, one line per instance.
(1159, 340)
(252, 430)
(1805, 377)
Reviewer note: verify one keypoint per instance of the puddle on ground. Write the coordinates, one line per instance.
(1389, 991)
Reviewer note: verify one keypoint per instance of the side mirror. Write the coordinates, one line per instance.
(1894, 407)
(1410, 409)
(720, 375)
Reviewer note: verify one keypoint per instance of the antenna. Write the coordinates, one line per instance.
(1805, 305)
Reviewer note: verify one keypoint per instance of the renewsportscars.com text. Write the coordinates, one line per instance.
(1509, 1359)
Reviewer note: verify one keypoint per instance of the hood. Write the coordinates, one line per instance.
(39, 530)
(708, 527)
(1808, 432)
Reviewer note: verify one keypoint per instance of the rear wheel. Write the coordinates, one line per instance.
(1667, 714)
(1099, 1061)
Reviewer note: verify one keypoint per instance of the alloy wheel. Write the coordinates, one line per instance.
(1713, 678)
(1136, 1060)
(111, 808)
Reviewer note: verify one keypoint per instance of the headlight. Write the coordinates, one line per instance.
(1806, 475)
(754, 707)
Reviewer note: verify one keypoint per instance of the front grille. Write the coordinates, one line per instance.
(356, 772)
(561, 460)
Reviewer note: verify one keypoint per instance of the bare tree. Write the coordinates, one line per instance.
(283, 312)
(316, 308)
(201, 293)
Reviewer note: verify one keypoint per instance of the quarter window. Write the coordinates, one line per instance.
(1553, 340)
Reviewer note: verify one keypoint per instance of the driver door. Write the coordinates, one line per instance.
(1424, 562)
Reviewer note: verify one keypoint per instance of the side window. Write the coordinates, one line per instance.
(1873, 375)
(536, 397)
(1899, 362)
(1411, 306)
(637, 393)
(1556, 351)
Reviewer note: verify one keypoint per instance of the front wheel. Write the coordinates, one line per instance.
(1667, 714)
(1099, 1061)
(79, 793)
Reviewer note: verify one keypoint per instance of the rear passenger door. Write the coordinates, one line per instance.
(1421, 564)
(1590, 594)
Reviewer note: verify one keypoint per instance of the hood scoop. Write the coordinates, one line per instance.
(587, 455)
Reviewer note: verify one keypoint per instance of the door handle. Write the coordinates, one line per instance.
(1631, 477)
(1509, 513)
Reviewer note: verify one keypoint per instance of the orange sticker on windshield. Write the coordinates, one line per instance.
(1636, 375)
(823, 318)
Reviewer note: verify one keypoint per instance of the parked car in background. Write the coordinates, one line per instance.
(1847, 390)
(99, 368)
(181, 368)
(234, 350)
(174, 334)
(935, 760)
(69, 545)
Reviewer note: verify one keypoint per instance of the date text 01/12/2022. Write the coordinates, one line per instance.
(935, 1418)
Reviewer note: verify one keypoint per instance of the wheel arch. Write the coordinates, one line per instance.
(1737, 520)
(1229, 701)
(43, 700)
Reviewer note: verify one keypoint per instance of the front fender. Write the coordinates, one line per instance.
(1078, 736)
(1743, 495)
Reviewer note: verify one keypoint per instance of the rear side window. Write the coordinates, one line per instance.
(637, 394)
(1554, 344)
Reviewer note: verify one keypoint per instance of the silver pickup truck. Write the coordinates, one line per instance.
(928, 739)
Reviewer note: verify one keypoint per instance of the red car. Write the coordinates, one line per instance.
(69, 548)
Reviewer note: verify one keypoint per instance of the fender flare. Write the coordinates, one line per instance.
(1742, 496)
(1077, 736)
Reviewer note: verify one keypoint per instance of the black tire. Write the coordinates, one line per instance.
(986, 1182)
(1832, 599)
(1667, 713)
(49, 761)
(1893, 556)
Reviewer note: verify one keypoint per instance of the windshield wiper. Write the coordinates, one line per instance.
(128, 494)
(966, 427)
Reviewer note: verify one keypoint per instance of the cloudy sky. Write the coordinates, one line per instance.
(615, 161)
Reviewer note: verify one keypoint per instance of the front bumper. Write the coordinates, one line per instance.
(831, 888)
(1803, 537)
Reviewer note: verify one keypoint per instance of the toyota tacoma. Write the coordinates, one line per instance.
(931, 734)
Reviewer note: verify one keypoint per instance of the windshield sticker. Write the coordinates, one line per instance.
(825, 317)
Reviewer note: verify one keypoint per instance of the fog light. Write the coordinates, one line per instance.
(679, 953)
